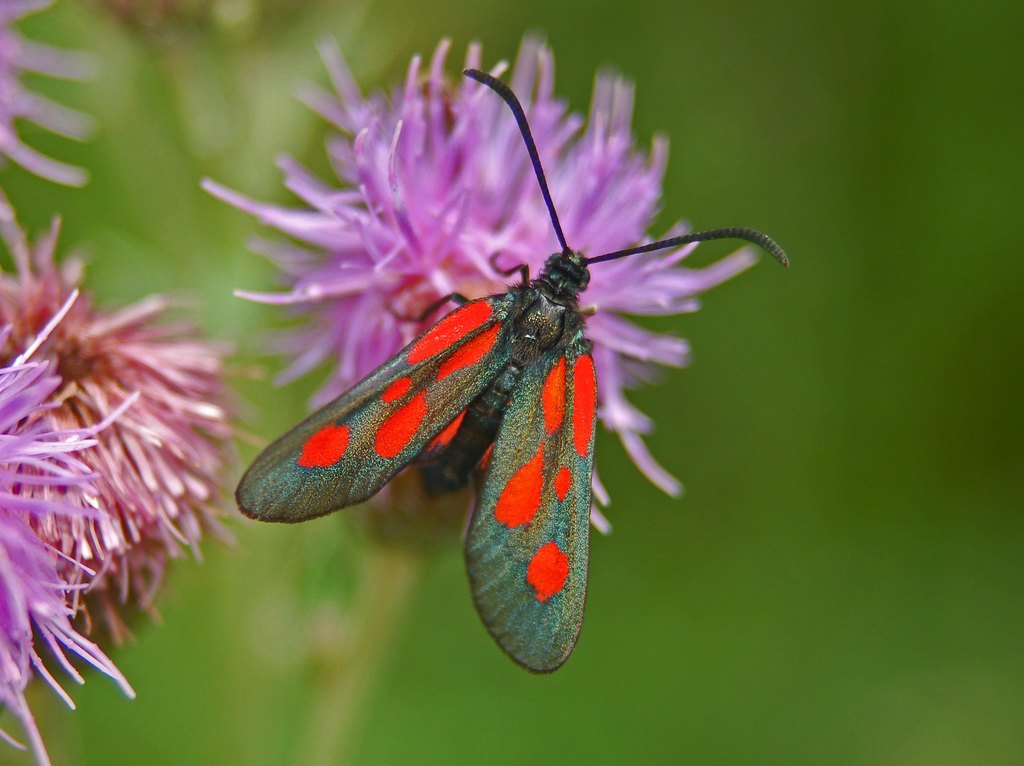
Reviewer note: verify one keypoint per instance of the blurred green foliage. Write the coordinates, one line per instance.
(842, 582)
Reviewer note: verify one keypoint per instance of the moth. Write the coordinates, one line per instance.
(500, 392)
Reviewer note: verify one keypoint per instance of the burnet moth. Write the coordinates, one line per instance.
(502, 392)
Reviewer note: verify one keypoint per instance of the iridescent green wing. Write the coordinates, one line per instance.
(527, 544)
(347, 450)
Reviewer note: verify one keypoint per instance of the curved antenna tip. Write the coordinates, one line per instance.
(753, 236)
(777, 253)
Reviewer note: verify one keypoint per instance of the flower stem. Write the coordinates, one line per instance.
(344, 678)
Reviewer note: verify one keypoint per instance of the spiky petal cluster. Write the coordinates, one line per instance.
(18, 55)
(43, 476)
(159, 467)
(434, 182)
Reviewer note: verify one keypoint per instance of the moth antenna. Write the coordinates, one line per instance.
(524, 127)
(763, 241)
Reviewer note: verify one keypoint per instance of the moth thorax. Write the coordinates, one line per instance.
(566, 274)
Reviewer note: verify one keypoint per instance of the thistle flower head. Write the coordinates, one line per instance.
(159, 466)
(43, 476)
(434, 184)
(17, 56)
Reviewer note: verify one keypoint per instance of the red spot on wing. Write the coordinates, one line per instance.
(548, 570)
(324, 448)
(584, 403)
(486, 458)
(553, 397)
(471, 353)
(398, 430)
(563, 482)
(521, 497)
(443, 438)
(451, 329)
(397, 390)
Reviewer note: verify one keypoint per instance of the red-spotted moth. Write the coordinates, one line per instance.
(501, 390)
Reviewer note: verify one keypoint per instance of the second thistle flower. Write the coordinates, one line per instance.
(158, 467)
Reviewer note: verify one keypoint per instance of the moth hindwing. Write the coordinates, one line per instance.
(527, 546)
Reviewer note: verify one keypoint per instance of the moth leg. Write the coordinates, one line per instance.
(457, 298)
(523, 270)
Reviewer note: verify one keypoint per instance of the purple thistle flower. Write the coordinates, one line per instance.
(18, 55)
(434, 182)
(43, 475)
(159, 467)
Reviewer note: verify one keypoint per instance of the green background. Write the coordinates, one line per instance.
(842, 582)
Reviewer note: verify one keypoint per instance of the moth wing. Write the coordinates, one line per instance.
(527, 543)
(348, 449)
(436, 447)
